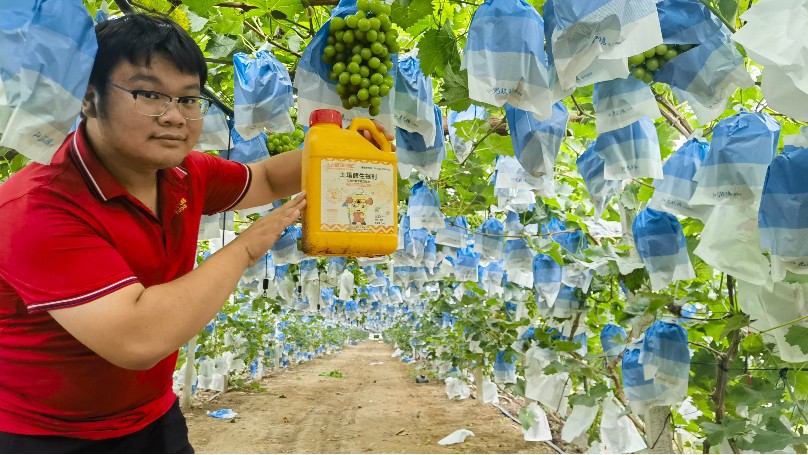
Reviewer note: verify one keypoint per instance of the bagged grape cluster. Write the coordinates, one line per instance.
(284, 142)
(644, 66)
(359, 47)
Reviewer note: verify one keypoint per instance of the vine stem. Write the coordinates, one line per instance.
(720, 16)
(704, 346)
(672, 115)
(724, 360)
(793, 321)
(474, 147)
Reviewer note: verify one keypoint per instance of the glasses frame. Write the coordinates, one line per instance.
(137, 92)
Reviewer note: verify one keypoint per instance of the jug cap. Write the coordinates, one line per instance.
(325, 116)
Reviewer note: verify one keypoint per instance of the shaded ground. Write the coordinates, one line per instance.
(376, 408)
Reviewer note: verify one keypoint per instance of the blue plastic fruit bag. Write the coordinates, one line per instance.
(641, 392)
(783, 215)
(505, 57)
(661, 244)
(665, 357)
(621, 102)
(735, 167)
(414, 106)
(215, 131)
(550, 26)
(285, 250)
(613, 340)
(247, 151)
(672, 193)
(517, 260)
(536, 143)
(511, 176)
(489, 239)
(707, 75)
(263, 95)
(415, 152)
(48, 50)
(593, 38)
(631, 152)
(455, 234)
(467, 264)
(591, 166)
(423, 208)
(546, 278)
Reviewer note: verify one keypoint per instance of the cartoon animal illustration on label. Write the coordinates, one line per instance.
(357, 204)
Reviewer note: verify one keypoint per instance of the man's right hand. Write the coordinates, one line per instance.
(259, 238)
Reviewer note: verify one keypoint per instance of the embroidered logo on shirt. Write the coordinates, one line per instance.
(182, 206)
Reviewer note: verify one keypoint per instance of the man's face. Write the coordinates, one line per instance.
(141, 142)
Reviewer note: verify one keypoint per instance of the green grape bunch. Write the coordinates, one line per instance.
(359, 48)
(643, 66)
(284, 142)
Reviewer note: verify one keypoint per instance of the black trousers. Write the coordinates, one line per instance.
(168, 434)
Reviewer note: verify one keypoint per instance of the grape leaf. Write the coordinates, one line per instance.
(455, 93)
(406, 13)
(221, 46)
(797, 335)
(200, 7)
(728, 9)
(289, 8)
(437, 50)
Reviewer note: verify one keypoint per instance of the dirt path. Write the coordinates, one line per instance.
(376, 408)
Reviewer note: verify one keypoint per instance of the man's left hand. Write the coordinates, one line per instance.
(366, 134)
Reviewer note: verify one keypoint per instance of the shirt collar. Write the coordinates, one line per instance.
(99, 180)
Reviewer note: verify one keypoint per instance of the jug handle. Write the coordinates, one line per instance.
(367, 124)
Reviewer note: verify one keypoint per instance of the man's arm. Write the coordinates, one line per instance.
(274, 178)
(136, 327)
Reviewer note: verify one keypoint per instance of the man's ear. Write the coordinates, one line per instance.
(89, 103)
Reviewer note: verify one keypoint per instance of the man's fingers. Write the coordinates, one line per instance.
(387, 135)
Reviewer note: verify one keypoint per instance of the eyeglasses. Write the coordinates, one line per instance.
(155, 104)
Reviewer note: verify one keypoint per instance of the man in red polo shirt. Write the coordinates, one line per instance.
(97, 282)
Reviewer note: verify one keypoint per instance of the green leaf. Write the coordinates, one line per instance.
(406, 13)
(455, 90)
(201, 7)
(735, 322)
(229, 22)
(437, 50)
(752, 344)
(730, 428)
(797, 335)
(221, 46)
(728, 9)
(555, 253)
(770, 441)
(583, 400)
(288, 8)
(18, 163)
(494, 143)
(526, 418)
(645, 193)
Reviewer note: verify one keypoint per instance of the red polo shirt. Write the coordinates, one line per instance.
(69, 234)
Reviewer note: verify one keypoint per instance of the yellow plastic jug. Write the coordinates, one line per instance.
(351, 189)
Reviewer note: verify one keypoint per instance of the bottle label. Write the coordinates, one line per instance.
(357, 196)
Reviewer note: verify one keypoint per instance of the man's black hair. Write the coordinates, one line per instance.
(136, 38)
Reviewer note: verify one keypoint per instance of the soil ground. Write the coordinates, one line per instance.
(376, 408)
